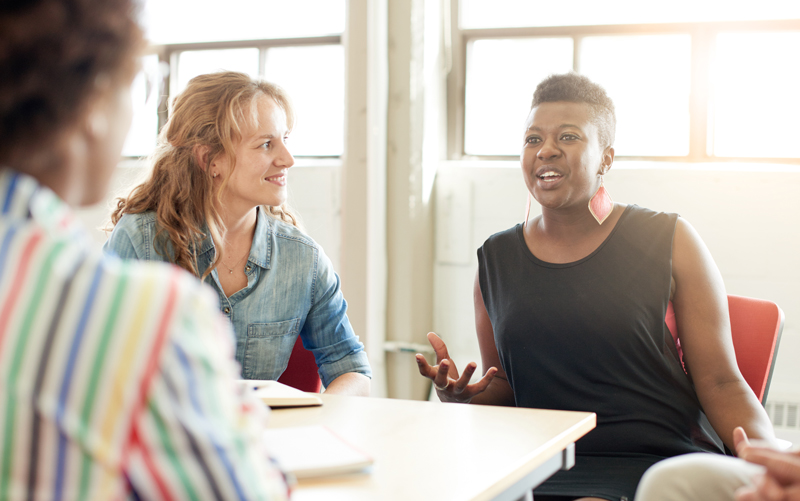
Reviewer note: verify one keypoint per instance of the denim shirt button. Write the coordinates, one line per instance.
(248, 268)
(227, 310)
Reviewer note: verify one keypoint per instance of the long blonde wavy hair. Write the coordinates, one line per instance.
(213, 112)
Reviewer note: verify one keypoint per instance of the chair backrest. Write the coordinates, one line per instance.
(301, 371)
(756, 326)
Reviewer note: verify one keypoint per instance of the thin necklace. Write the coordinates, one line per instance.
(230, 269)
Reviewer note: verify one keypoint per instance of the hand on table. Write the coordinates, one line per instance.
(781, 480)
(449, 385)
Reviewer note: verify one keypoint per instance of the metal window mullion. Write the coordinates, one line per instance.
(700, 131)
(456, 83)
(631, 29)
(262, 61)
(246, 44)
(162, 108)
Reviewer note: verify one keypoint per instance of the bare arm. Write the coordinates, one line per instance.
(701, 310)
(351, 383)
(499, 391)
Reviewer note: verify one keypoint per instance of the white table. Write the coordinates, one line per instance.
(432, 450)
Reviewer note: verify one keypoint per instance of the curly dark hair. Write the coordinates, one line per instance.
(577, 88)
(53, 56)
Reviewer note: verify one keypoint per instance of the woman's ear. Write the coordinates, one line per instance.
(96, 124)
(608, 159)
(200, 152)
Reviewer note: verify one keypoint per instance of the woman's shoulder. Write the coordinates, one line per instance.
(648, 217)
(133, 222)
(503, 237)
(132, 236)
(290, 233)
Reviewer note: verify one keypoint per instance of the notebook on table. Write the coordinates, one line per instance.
(276, 394)
(314, 451)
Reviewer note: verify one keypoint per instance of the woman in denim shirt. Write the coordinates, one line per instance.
(215, 205)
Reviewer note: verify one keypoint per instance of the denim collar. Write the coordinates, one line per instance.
(260, 250)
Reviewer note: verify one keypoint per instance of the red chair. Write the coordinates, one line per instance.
(756, 327)
(301, 371)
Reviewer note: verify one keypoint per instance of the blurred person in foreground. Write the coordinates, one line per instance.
(116, 379)
(761, 472)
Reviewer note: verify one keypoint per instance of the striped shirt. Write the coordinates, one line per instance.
(117, 379)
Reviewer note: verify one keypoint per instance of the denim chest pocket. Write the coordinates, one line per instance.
(267, 349)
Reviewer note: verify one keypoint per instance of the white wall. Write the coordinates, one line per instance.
(749, 220)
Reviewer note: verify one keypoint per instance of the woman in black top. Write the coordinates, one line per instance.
(570, 308)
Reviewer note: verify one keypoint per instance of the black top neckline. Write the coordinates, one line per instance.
(525, 250)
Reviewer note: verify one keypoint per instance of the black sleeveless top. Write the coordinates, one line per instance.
(590, 336)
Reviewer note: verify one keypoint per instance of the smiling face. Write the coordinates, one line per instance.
(262, 161)
(561, 158)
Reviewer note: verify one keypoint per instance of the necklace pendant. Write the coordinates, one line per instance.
(231, 272)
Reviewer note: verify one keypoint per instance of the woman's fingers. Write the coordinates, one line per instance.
(440, 380)
(483, 382)
(463, 381)
(467, 390)
(783, 467)
(438, 347)
(424, 367)
(740, 441)
(769, 489)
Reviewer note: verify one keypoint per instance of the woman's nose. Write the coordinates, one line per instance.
(548, 150)
(284, 158)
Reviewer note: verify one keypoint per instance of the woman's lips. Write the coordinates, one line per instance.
(280, 179)
(548, 180)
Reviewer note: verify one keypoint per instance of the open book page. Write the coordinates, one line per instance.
(313, 451)
(276, 394)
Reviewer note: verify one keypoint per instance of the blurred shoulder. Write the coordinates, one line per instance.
(131, 223)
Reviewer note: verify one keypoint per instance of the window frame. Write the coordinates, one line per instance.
(703, 41)
(168, 53)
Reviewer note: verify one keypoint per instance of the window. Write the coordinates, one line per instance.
(694, 84)
(274, 40)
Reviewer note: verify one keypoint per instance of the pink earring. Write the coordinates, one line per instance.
(601, 205)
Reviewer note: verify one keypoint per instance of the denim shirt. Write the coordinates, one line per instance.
(291, 290)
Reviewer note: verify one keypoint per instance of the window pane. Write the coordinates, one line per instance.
(755, 84)
(184, 21)
(648, 77)
(517, 13)
(145, 92)
(501, 78)
(314, 78)
(199, 62)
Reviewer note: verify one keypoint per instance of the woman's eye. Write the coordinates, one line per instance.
(569, 137)
(265, 145)
(532, 140)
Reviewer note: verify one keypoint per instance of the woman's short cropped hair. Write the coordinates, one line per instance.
(577, 88)
(54, 56)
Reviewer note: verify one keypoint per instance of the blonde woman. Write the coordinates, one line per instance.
(215, 205)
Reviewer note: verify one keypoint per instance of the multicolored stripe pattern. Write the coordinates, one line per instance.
(116, 378)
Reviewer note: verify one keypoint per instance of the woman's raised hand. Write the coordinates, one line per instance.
(449, 385)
